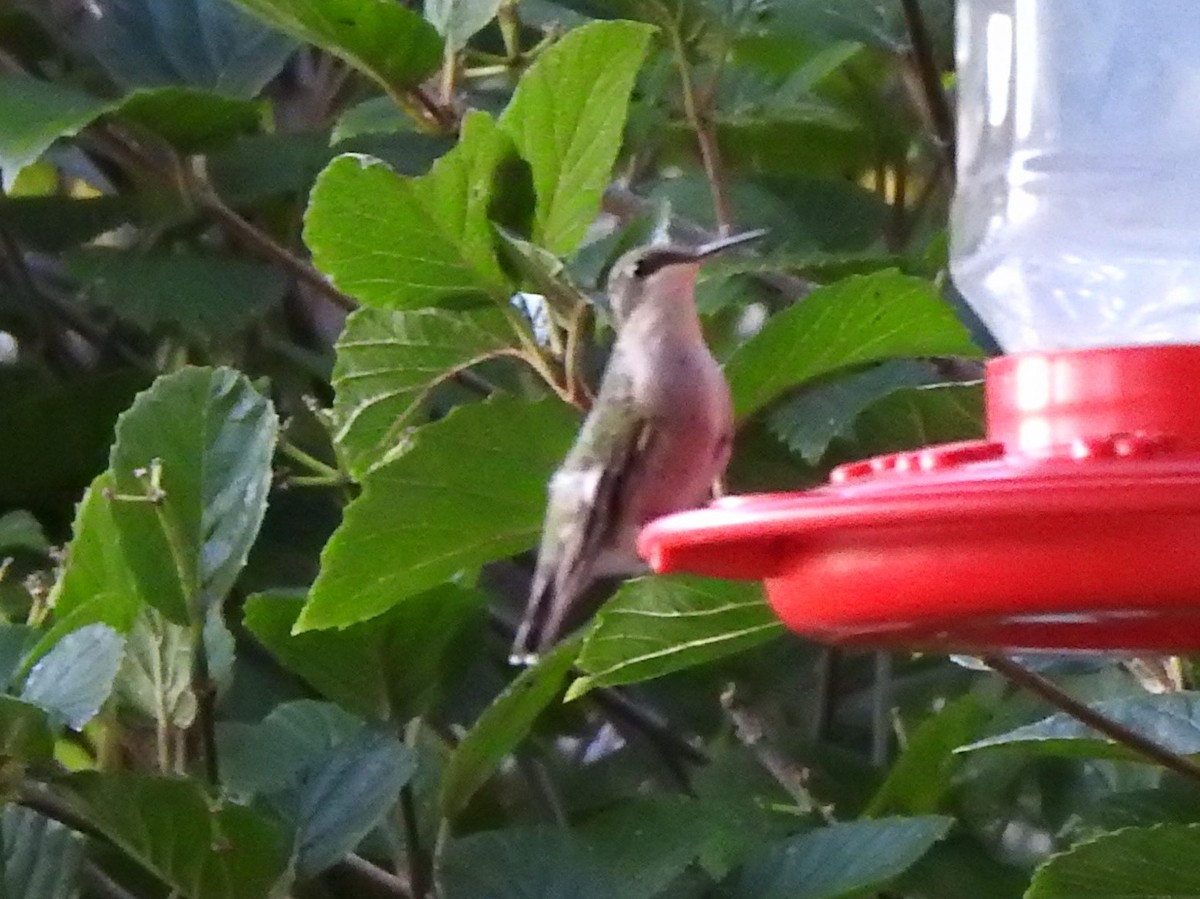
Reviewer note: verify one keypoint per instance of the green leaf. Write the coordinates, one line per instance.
(16, 641)
(1135, 863)
(393, 667)
(205, 850)
(405, 243)
(385, 40)
(96, 585)
(657, 625)
(207, 44)
(191, 120)
(156, 675)
(337, 801)
(809, 421)
(523, 863)
(425, 516)
(567, 116)
(862, 319)
(921, 778)
(55, 223)
(457, 20)
(921, 416)
(35, 114)
(206, 296)
(95, 569)
(1172, 720)
(20, 530)
(42, 857)
(74, 416)
(213, 435)
(503, 725)
(25, 733)
(271, 756)
(839, 860)
(74, 679)
(387, 364)
(648, 841)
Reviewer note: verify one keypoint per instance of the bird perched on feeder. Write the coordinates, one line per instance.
(655, 442)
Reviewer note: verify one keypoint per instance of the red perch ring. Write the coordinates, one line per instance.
(1075, 525)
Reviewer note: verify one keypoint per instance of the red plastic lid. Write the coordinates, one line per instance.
(1074, 526)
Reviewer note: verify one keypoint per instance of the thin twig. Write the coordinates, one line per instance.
(385, 880)
(699, 118)
(752, 733)
(1081, 712)
(268, 247)
(418, 859)
(881, 710)
(99, 882)
(930, 75)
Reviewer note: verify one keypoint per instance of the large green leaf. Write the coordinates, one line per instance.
(270, 757)
(503, 725)
(393, 667)
(386, 40)
(1135, 863)
(809, 421)
(213, 435)
(567, 117)
(388, 362)
(341, 797)
(25, 734)
(74, 679)
(21, 530)
(657, 625)
(95, 571)
(41, 857)
(199, 43)
(191, 120)
(1171, 720)
(920, 416)
(839, 860)
(523, 863)
(54, 223)
(74, 417)
(457, 20)
(866, 318)
(468, 490)
(648, 841)
(35, 114)
(205, 850)
(921, 778)
(404, 243)
(207, 296)
(328, 776)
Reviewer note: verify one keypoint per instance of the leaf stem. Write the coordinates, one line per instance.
(1118, 733)
(206, 696)
(312, 463)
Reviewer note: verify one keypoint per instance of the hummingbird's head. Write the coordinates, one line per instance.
(662, 271)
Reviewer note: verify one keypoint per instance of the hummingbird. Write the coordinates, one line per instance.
(656, 441)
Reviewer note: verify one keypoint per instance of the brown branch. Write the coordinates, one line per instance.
(930, 75)
(1083, 713)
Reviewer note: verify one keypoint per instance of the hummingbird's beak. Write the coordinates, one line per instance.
(713, 247)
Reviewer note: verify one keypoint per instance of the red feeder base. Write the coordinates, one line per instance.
(1074, 526)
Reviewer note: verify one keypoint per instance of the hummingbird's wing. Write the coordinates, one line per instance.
(582, 520)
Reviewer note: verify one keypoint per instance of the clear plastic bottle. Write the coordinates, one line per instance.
(1076, 221)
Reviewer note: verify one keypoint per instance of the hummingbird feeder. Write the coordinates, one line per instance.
(1075, 523)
